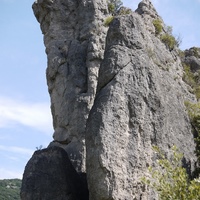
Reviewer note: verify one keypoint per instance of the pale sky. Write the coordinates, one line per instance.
(25, 119)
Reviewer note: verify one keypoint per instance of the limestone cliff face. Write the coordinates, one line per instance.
(139, 103)
(137, 85)
(74, 37)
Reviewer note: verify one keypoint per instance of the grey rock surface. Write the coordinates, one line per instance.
(138, 90)
(147, 11)
(49, 174)
(139, 103)
(74, 37)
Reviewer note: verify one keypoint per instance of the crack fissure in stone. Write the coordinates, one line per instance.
(120, 69)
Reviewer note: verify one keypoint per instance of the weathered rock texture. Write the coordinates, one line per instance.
(49, 174)
(74, 37)
(139, 100)
(139, 103)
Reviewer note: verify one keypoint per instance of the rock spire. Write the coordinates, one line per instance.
(115, 92)
(74, 38)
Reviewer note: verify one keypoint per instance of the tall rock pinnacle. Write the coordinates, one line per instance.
(115, 92)
(74, 37)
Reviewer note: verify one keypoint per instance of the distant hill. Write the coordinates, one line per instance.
(10, 189)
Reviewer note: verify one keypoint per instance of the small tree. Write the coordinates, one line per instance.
(39, 148)
(170, 180)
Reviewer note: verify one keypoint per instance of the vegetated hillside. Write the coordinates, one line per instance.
(10, 189)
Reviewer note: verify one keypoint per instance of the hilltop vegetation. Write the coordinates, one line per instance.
(10, 189)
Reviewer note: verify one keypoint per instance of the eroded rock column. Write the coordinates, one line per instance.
(74, 38)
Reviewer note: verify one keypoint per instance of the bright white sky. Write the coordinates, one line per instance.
(25, 120)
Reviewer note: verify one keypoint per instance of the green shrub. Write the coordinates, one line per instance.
(195, 51)
(170, 180)
(158, 26)
(181, 54)
(108, 20)
(197, 91)
(111, 8)
(192, 79)
(188, 76)
(194, 115)
(124, 11)
(114, 6)
(169, 41)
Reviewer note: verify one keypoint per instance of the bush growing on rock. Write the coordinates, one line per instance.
(158, 26)
(108, 20)
(194, 115)
(124, 11)
(169, 40)
(115, 8)
(192, 79)
(170, 180)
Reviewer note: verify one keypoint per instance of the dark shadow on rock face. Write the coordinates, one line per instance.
(49, 175)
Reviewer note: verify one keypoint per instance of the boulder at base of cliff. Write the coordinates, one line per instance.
(49, 174)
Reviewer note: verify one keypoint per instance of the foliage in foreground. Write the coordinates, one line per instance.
(10, 189)
(194, 115)
(170, 180)
(192, 79)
